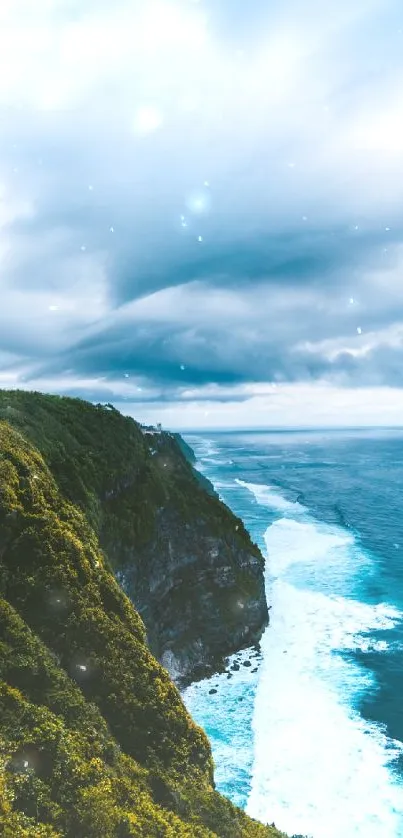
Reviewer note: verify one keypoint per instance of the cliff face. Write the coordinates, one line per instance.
(94, 737)
(198, 580)
(182, 557)
(202, 597)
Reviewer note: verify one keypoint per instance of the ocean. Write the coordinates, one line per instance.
(310, 736)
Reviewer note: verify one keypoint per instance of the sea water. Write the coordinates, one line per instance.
(310, 735)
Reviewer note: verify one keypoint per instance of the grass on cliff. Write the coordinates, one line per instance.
(95, 451)
(124, 481)
(95, 740)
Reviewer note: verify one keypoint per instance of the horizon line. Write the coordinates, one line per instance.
(288, 428)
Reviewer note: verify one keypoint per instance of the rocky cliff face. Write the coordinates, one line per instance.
(95, 741)
(202, 598)
(197, 580)
(186, 562)
(184, 559)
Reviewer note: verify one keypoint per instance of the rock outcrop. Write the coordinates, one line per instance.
(198, 579)
(94, 738)
(186, 562)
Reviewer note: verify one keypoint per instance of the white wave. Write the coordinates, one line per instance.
(367, 644)
(309, 760)
(203, 447)
(226, 716)
(268, 496)
(214, 460)
(304, 541)
(319, 768)
(209, 450)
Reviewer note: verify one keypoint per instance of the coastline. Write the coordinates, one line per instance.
(307, 730)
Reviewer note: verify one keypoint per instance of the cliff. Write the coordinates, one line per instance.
(95, 740)
(197, 580)
(182, 557)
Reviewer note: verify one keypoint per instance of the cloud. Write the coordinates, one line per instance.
(311, 406)
(192, 193)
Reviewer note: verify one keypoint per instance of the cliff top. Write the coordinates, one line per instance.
(95, 739)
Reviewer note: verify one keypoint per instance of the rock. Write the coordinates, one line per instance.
(105, 506)
(184, 578)
(212, 692)
(247, 663)
(165, 533)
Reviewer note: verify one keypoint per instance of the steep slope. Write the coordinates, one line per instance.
(183, 558)
(95, 741)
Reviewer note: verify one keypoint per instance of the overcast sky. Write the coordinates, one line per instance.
(201, 208)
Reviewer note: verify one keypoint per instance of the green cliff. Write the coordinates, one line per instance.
(95, 741)
(183, 558)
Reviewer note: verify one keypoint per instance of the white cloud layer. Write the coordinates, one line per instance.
(204, 186)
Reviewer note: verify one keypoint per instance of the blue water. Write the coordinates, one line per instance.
(310, 736)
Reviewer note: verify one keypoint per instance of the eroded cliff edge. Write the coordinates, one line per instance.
(94, 737)
(198, 580)
(186, 562)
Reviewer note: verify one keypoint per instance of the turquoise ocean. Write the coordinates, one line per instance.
(310, 736)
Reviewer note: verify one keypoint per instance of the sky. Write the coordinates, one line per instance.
(201, 208)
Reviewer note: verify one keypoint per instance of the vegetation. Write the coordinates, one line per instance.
(129, 485)
(96, 454)
(95, 740)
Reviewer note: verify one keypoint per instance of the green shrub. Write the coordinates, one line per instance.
(95, 739)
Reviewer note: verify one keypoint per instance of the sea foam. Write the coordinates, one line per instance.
(295, 750)
(267, 496)
(319, 768)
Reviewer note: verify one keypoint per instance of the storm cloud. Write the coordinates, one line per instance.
(200, 206)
